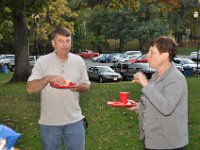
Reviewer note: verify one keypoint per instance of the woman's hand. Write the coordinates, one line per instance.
(136, 107)
(141, 78)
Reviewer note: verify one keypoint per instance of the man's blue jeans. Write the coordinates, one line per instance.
(73, 134)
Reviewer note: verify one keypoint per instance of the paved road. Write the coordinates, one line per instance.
(89, 63)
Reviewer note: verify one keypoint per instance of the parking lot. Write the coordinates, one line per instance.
(89, 63)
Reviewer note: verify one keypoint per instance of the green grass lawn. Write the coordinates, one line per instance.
(109, 128)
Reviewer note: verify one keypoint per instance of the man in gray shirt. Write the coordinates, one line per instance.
(61, 114)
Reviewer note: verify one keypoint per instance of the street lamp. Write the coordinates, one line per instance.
(36, 26)
(195, 15)
(85, 33)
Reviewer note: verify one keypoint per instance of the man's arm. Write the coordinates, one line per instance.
(81, 88)
(38, 84)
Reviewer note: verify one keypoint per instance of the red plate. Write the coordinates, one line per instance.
(55, 85)
(120, 104)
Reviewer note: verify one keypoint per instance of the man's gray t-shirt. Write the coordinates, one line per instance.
(60, 106)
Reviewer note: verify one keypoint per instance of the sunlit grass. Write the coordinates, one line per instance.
(109, 128)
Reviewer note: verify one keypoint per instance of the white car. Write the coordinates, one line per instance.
(32, 61)
(117, 57)
(97, 58)
(127, 58)
(136, 53)
(193, 55)
(6, 58)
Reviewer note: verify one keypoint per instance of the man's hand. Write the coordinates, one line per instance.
(38, 84)
(81, 88)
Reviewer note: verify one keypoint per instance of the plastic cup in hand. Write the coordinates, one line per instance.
(124, 97)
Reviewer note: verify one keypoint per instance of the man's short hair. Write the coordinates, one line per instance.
(62, 31)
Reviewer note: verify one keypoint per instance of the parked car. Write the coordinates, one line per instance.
(88, 54)
(6, 59)
(32, 61)
(105, 58)
(193, 55)
(178, 66)
(189, 66)
(142, 59)
(129, 58)
(128, 69)
(117, 57)
(103, 74)
(97, 58)
(136, 53)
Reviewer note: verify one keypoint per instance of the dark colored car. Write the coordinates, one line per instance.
(103, 74)
(128, 69)
(105, 58)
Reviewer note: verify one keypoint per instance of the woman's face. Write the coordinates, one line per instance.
(155, 58)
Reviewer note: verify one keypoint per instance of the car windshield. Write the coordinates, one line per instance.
(132, 57)
(105, 69)
(2, 57)
(187, 61)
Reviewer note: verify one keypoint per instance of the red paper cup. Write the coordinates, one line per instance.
(124, 97)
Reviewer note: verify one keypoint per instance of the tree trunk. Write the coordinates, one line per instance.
(121, 44)
(179, 39)
(21, 45)
(143, 46)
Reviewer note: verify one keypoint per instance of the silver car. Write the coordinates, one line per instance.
(193, 55)
(103, 74)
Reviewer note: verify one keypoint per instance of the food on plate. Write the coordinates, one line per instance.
(67, 83)
(133, 81)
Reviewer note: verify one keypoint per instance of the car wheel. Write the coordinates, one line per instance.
(12, 68)
(100, 79)
(124, 77)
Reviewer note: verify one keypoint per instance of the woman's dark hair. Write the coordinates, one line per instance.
(62, 31)
(166, 44)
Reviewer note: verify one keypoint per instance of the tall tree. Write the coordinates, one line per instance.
(181, 19)
(19, 12)
(120, 25)
(56, 13)
(151, 22)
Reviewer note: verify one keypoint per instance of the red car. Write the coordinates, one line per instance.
(140, 59)
(88, 54)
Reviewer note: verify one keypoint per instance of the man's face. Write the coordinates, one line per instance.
(61, 44)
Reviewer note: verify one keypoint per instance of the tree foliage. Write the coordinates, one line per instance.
(56, 13)
(21, 12)
(94, 19)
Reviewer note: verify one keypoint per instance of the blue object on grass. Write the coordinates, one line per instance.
(5, 69)
(9, 135)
